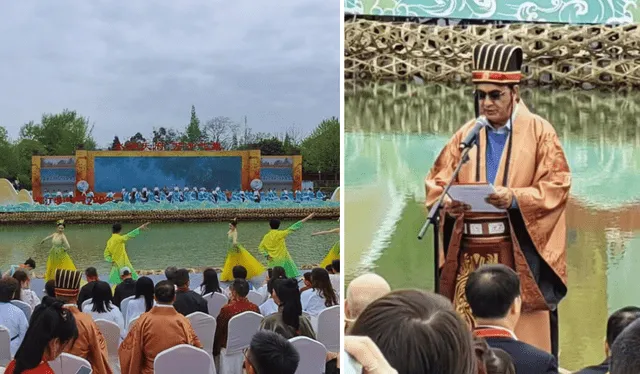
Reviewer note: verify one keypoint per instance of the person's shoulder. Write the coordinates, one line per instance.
(533, 352)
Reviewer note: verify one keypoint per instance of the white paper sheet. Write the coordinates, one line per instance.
(474, 195)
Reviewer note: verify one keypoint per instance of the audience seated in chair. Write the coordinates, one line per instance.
(85, 292)
(126, 288)
(26, 294)
(142, 302)
(271, 353)
(210, 283)
(238, 303)
(493, 294)
(11, 316)
(159, 329)
(101, 306)
(289, 321)
(239, 272)
(625, 351)
(321, 296)
(187, 301)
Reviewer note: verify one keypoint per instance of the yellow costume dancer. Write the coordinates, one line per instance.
(58, 256)
(238, 255)
(274, 246)
(334, 252)
(116, 253)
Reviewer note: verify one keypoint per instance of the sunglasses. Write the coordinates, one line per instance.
(492, 95)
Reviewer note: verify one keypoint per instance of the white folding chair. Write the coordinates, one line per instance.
(215, 302)
(111, 332)
(24, 307)
(184, 358)
(313, 355)
(85, 303)
(328, 331)
(5, 346)
(123, 306)
(205, 327)
(255, 297)
(133, 321)
(242, 327)
(68, 363)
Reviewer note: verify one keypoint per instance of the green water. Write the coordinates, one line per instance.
(395, 132)
(164, 244)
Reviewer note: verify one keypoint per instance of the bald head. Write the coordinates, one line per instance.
(362, 291)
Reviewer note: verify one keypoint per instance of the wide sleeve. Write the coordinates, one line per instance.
(222, 326)
(98, 356)
(295, 227)
(442, 169)
(108, 256)
(131, 234)
(130, 351)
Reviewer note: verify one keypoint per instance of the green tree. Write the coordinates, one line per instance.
(321, 150)
(115, 145)
(193, 133)
(60, 134)
(165, 135)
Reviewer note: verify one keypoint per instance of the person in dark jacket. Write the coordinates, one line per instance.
(85, 292)
(493, 294)
(187, 301)
(126, 288)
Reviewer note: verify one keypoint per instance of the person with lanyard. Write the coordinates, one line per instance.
(520, 154)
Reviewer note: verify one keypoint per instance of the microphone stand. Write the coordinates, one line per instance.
(433, 219)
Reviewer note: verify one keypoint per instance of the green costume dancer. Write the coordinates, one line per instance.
(116, 253)
(274, 246)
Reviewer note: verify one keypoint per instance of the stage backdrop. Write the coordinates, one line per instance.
(279, 172)
(560, 11)
(53, 173)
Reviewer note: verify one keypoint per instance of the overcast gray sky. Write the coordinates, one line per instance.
(133, 65)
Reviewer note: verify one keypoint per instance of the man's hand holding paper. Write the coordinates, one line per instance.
(502, 198)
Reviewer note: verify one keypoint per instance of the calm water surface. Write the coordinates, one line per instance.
(395, 132)
(164, 244)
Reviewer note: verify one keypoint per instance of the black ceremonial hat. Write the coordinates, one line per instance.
(497, 63)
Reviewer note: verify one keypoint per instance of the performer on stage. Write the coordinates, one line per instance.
(238, 255)
(334, 252)
(521, 155)
(274, 246)
(116, 253)
(58, 256)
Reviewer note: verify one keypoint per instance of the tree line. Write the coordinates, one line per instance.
(63, 133)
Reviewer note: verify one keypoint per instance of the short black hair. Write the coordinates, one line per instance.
(116, 228)
(8, 287)
(50, 288)
(91, 272)
(31, 263)
(164, 291)
(181, 277)
(241, 286)
(329, 268)
(336, 265)
(491, 290)
(307, 276)
(619, 320)
(269, 352)
(170, 272)
(625, 352)
(274, 224)
(239, 271)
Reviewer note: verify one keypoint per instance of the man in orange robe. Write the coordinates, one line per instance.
(155, 331)
(521, 155)
(90, 344)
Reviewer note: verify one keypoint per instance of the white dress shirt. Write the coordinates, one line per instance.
(268, 308)
(14, 320)
(313, 303)
(113, 315)
(135, 308)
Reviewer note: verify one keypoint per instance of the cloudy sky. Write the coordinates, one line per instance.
(132, 66)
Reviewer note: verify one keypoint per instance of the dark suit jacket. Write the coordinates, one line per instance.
(123, 290)
(85, 293)
(189, 302)
(526, 358)
(603, 368)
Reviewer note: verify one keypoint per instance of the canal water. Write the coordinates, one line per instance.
(395, 132)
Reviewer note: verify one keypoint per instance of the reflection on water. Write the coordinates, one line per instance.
(395, 133)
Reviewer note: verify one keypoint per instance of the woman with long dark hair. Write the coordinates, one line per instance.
(210, 282)
(101, 306)
(52, 328)
(289, 321)
(25, 293)
(143, 300)
(321, 295)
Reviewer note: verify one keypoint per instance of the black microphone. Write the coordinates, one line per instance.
(471, 137)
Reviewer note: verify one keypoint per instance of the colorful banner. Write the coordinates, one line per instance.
(554, 11)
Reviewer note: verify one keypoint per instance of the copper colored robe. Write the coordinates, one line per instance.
(90, 344)
(155, 331)
(540, 179)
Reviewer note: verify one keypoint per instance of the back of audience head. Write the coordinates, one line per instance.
(329, 269)
(210, 282)
(335, 265)
(50, 288)
(287, 296)
(165, 292)
(22, 277)
(419, 333)
(239, 288)
(270, 353)
(278, 272)
(91, 274)
(50, 329)
(144, 288)
(617, 322)
(307, 279)
(101, 297)
(321, 283)
(170, 272)
(493, 293)
(362, 291)
(181, 278)
(239, 272)
(625, 351)
(8, 288)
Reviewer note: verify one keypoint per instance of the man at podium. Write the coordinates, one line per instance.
(520, 154)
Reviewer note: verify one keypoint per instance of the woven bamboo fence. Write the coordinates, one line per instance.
(195, 215)
(585, 56)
